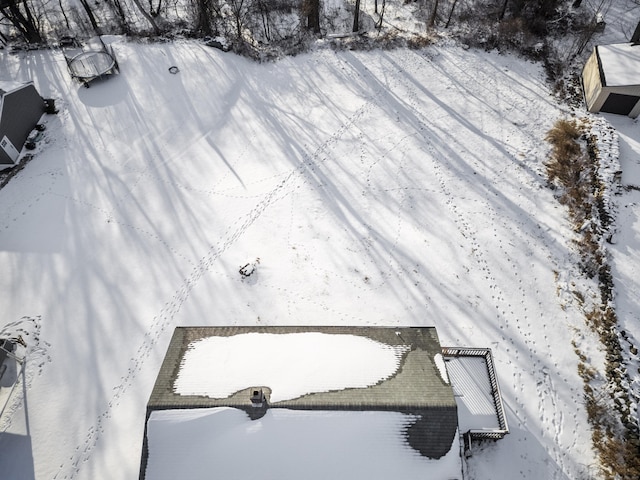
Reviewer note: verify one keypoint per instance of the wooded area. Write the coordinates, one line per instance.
(283, 21)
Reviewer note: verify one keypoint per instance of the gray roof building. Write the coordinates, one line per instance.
(611, 79)
(20, 110)
(417, 388)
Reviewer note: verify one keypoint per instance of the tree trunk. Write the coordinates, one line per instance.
(120, 14)
(64, 14)
(455, 2)
(356, 17)
(92, 18)
(434, 13)
(24, 24)
(146, 15)
(312, 9)
(203, 10)
(503, 11)
(381, 15)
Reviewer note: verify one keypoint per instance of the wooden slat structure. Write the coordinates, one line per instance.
(90, 60)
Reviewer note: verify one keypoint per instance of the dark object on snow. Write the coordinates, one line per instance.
(247, 269)
(89, 60)
(173, 70)
(6, 348)
(50, 106)
(219, 42)
(8, 351)
(21, 107)
(68, 42)
(35, 136)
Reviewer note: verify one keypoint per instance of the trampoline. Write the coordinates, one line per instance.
(89, 61)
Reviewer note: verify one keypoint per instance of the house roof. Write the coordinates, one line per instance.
(317, 381)
(231, 356)
(289, 444)
(620, 64)
(9, 86)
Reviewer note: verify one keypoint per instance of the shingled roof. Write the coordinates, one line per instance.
(418, 388)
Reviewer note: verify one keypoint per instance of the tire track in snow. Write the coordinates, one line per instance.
(70, 468)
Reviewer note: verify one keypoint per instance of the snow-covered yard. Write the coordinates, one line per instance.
(363, 188)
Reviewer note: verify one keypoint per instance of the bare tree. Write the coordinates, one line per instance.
(90, 15)
(503, 10)
(204, 11)
(19, 14)
(240, 10)
(356, 17)
(434, 13)
(147, 15)
(64, 14)
(154, 11)
(311, 10)
(453, 6)
(380, 14)
(121, 15)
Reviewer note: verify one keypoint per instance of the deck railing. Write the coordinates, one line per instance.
(495, 433)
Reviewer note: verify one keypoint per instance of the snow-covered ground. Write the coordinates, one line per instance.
(364, 188)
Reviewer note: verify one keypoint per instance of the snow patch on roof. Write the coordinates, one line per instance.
(292, 364)
(288, 444)
(442, 368)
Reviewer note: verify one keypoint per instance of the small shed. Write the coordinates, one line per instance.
(611, 79)
(21, 108)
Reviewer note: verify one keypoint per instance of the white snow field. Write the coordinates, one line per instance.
(364, 188)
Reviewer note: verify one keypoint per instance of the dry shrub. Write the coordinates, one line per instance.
(562, 130)
(616, 436)
(417, 42)
(567, 161)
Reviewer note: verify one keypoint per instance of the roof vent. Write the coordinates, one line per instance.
(257, 397)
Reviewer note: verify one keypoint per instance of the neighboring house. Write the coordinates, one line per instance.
(305, 402)
(21, 108)
(611, 79)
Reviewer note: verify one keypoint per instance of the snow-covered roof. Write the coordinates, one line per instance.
(620, 64)
(9, 86)
(391, 379)
(310, 366)
(289, 444)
